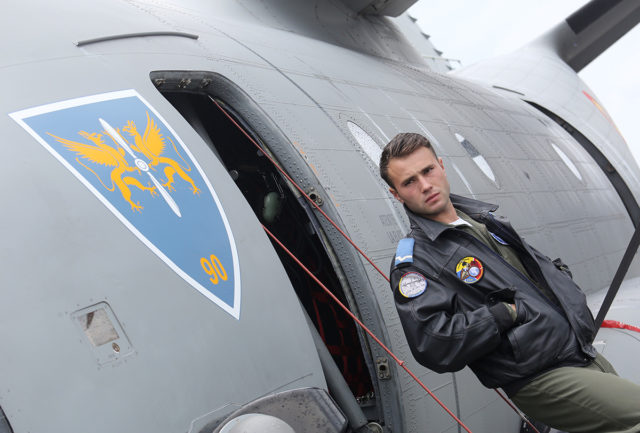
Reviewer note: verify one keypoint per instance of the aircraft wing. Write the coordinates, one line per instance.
(390, 8)
(589, 31)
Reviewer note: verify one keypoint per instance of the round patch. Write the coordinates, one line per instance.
(412, 284)
(469, 270)
(498, 238)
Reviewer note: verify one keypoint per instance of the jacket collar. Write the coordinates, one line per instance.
(474, 208)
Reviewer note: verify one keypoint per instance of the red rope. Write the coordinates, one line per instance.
(371, 334)
(300, 189)
(386, 349)
(516, 410)
(618, 325)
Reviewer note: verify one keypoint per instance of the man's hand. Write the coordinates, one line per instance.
(512, 310)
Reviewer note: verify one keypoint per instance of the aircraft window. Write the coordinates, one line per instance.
(368, 144)
(476, 157)
(567, 161)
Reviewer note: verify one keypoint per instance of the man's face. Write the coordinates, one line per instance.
(421, 184)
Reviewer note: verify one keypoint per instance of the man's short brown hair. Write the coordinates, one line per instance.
(401, 145)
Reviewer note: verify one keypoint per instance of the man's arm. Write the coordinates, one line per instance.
(442, 334)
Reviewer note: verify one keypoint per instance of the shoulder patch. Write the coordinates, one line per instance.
(469, 270)
(404, 252)
(412, 284)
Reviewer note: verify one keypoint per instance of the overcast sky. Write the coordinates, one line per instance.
(471, 30)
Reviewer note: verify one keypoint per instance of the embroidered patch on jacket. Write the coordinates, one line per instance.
(498, 238)
(404, 253)
(412, 284)
(469, 270)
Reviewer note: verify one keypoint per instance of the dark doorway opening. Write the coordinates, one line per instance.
(288, 216)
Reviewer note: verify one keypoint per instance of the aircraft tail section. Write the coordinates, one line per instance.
(589, 31)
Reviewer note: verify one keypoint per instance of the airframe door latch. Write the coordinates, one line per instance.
(382, 367)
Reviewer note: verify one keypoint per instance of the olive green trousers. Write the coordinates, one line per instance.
(591, 399)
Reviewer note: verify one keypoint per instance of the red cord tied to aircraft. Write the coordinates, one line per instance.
(618, 325)
(400, 362)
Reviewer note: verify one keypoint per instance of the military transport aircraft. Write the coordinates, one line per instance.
(154, 146)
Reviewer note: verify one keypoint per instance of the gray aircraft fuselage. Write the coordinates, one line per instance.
(139, 291)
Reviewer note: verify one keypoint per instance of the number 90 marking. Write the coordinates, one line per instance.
(214, 268)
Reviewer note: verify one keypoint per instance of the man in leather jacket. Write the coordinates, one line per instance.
(470, 292)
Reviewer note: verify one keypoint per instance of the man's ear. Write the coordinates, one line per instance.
(395, 194)
(442, 166)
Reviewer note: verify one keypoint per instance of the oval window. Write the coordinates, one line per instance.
(475, 155)
(563, 156)
(368, 144)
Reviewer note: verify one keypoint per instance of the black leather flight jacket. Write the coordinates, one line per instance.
(453, 324)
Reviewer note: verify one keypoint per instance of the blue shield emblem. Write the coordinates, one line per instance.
(120, 148)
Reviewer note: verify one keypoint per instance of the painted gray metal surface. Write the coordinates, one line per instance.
(185, 348)
(391, 8)
(312, 68)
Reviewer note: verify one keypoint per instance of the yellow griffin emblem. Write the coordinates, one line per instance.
(151, 145)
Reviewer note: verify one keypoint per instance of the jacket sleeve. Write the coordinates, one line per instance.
(558, 263)
(442, 335)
